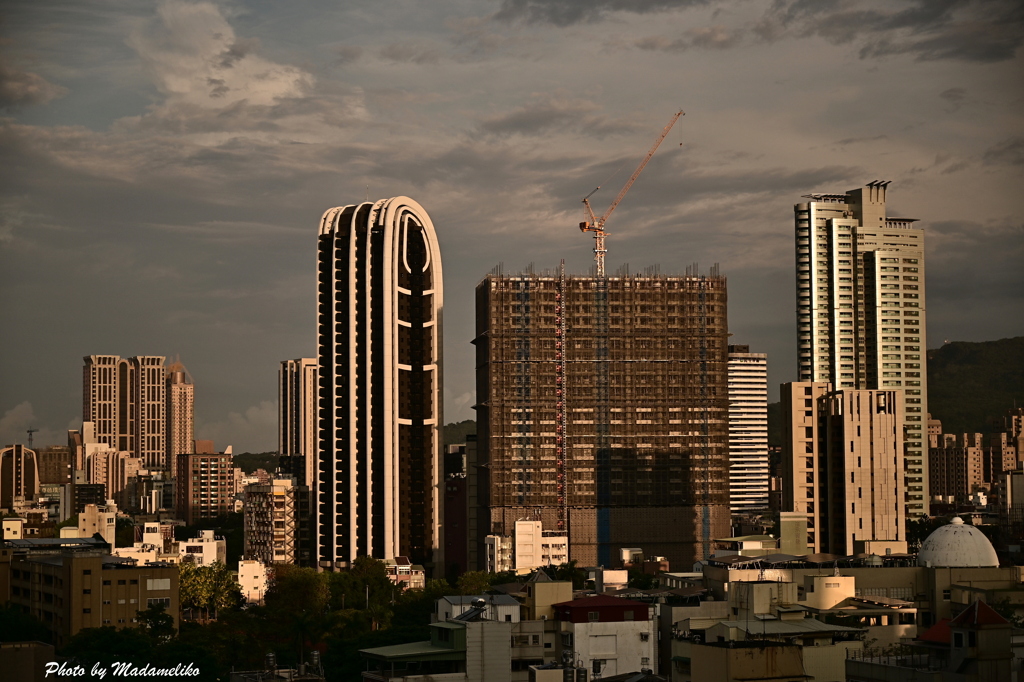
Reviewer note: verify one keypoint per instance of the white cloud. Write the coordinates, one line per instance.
(254, 430)
(16, 422)
(194, 57)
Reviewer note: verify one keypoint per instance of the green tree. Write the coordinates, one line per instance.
(108, 645)
(569, 572)
(207, 589)
(474, 582)
(18, 626)
(156, 623)
(641, 581)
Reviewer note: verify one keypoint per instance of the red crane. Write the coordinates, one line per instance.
(594, 223)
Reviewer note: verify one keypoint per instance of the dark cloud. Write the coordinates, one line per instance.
(415, 54)
(708, 37)
(955, 96)
(1009, 152)
(237, 51)
(347, 54)
(568, 12)
(857, 140)
(554, 112)
(980, 31)
(22, 88)
(218, 88)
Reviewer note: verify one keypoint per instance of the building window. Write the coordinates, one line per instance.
(593, 616)
(627, 615)
(159, 601)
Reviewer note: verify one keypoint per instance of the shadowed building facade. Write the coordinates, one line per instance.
(379, 458)
(613, 427)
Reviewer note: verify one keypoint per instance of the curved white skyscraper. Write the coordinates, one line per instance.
(379, 302)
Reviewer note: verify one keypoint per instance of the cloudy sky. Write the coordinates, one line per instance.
(163, 165)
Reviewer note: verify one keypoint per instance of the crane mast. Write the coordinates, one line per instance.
(594, 223)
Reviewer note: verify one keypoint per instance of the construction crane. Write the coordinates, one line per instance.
(30, 432)
(594, 223)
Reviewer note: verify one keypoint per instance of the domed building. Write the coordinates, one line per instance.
(957, 545)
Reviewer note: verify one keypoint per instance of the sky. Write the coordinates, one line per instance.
(164, 165)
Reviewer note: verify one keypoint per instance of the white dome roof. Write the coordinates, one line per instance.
(957, 545)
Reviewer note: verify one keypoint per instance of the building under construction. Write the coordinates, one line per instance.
(603, 410)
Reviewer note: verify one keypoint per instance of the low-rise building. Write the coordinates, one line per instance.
(499, 607)
(401, 571)
(470, 648)
(253, 580)
(205, 549)
(72, 584)
(610, 634)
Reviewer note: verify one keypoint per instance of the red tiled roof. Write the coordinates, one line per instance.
(978, 613)
(600, 600)
(938, 633)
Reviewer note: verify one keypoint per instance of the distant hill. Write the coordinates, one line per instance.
(971, 383)
(455, 433)
(251, 461)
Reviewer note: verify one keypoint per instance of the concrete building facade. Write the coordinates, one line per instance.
(748, 430)
(602, 404)
(181, 398)
(843, 464)
(205, 485)
(861, 310)
(277, 522)
(126, 400)
(296, 419)
(379, 472)
(19, 476)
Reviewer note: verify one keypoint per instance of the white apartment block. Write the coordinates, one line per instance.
(498, 554)
(748, 430)
(861, 321)
(205, 549)
(534, 547)
(296, 420)
(843, 465)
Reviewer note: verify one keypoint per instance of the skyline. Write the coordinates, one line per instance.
(166, 167)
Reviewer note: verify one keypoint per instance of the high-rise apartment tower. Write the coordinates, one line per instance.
(180, 413)
(126, 399)
(610, 427)
(748, 430)
(296, 419)
(379, 465)
(861, 310)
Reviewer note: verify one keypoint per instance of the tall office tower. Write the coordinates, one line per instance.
(126, 400)
(861, 309)
(380, 296)
(843, 466)
(181, 393)
(615, 428)
(748, 430)
(296, 419)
